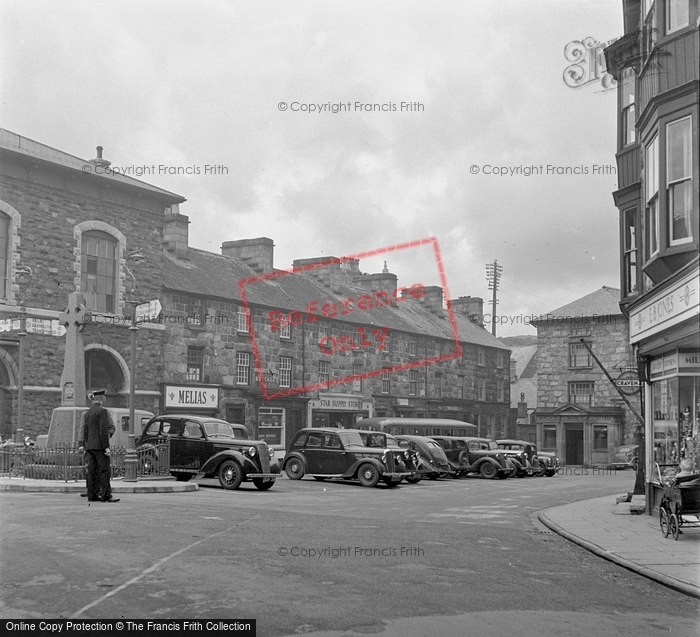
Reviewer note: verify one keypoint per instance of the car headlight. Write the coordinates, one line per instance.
(251, 452)
(271, 452)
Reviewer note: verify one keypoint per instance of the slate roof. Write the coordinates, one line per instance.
(523, 357)
(29, 148)
(603, 302)
(208, 274)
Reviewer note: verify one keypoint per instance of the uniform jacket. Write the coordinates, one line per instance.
(96, 428)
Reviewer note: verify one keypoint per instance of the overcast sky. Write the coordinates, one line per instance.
(185, 84)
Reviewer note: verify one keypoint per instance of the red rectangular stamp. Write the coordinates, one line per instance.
(326, 310)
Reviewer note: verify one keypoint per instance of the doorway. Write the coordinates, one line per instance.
(574, 444)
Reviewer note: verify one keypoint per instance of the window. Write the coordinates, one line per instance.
(98, 276)
(195, 363)
(679, 181)
(482, 389)
(195, 315)
(357, 382)
(324, 371)
(581, 393)
(651, 178)
(677, 15)
(286, 332)
(629, 247)
(412, 382)
(480, 357)
(627, 107)
(649, 32)
(550, 437)
(460, 387)
(242, 368)
(5, 254)
(322, 332)
(411, 347)
(579, 356)
(242, 319)
(500, 389)
(499, 359)
(438, 385)
(386, 382)
(600, 438)
(285, 371)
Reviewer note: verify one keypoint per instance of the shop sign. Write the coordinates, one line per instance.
(191, 397)
(628, 382)
(402, 402)
(663, 311)
(340, 404)
(449, 408)
(689, 361)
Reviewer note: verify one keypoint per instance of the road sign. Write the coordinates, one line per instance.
(45, 326)
(148, 311)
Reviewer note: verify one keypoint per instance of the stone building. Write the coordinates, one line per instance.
(70, 225)
(580, 415)
(323, 370)
(656, 63)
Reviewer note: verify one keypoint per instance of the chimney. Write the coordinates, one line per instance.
(257, 253)
(383, 281)
(513, 373)
(329, 275)
(471, 306)
(176, 233)
(98, 161)
(433, 299)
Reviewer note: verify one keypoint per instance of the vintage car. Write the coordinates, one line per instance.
(543, 463)
(209, 447)
(522, 455)
(626, 457)
(432, 461)
(476, 455)
(326, 452)
(408, 458)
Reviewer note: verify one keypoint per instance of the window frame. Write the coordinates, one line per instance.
(667, 16)
(243, 320)
(573, 357)
(652, 234)
(285, 365)
(575, 385)
(242, 370)
(630, 252)
(195, 364)
(324, 372)
(386, 381)
(412, 382)
(670, 184)
(93, 298)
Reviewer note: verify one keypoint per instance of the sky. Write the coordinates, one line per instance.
(452, 120)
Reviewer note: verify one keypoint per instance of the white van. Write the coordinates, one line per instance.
(65, 426)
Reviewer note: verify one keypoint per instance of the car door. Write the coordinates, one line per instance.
(312, 452)
(335, 458)
(195, 448)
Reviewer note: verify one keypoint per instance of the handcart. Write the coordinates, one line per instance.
(680, 504)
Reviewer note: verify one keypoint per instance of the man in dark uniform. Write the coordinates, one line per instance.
(95, 437)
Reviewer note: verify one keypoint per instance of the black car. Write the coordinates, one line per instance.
(475, 455)
(209, 447)
(407, 460)
(325, 452)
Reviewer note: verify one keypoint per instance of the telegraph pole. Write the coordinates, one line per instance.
(493, 276)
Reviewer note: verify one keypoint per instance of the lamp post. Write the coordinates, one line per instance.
(22, 271)
(131, 460)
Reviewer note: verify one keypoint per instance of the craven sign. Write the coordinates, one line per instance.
(628, 382)
(191, 398)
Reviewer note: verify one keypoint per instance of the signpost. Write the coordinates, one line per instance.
(147, 311)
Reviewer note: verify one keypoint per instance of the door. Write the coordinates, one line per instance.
(574, 444)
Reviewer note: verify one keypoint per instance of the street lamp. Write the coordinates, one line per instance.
(21, 272)
(130, 461)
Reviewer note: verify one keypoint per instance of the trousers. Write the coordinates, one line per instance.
(98, 473)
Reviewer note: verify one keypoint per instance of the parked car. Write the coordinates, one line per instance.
(522, 455)
(476, 455)
(543, 463)
(432, 461)
(549, 463)
(209, 447)
(406, 457)
(626, 456)
(326, 452)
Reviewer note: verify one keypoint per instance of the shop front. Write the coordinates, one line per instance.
(338, 410)
(664, 330)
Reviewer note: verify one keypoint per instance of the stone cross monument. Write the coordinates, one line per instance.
(73, 376)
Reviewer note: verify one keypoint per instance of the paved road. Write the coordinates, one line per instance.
(448, 557)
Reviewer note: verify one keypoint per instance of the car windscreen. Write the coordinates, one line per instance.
(493, 445)
(214, 428)
(351, 439)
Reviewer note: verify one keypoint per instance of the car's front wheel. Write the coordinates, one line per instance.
(230, 474)
(488, 471)
(294, 469)
(541, 470)
(368, 475)
(262, 484)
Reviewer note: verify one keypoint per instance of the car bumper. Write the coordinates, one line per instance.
(399, 474)
(267, 476)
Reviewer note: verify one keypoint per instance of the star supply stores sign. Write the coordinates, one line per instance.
(190, 398)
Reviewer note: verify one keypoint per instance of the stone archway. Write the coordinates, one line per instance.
(106, 369)
(8, 383)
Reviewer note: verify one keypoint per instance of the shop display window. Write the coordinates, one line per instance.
(271, 425)
(676, 407)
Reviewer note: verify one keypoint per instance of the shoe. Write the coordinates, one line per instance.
(83, 495)
(110, 499)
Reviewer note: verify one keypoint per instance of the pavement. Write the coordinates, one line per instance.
(603, 526)
(632, 541)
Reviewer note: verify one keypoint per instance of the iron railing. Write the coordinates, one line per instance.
(66, 463)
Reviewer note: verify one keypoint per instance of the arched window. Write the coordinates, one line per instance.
(5, 255)
(102, 371)
(98, 275)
